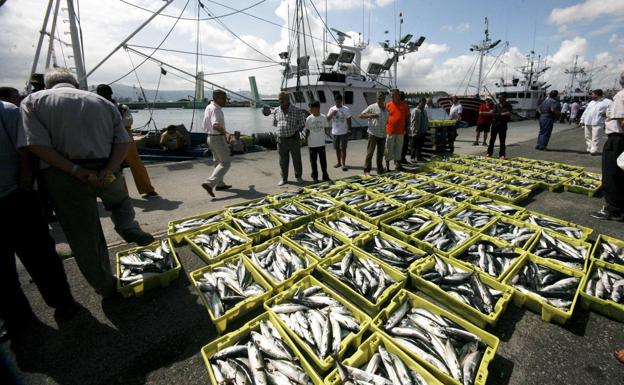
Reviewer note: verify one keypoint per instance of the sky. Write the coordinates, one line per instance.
(556, 30)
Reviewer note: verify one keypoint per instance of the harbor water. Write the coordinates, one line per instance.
(244, 119)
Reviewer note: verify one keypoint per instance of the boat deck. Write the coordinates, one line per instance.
(156, 339)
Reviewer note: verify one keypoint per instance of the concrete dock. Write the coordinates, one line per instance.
(156, 339)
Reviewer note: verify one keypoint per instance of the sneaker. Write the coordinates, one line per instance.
(281, 182)
(345, 168)
(299, 179)
(488, 155)
(475, 143)
(208, 188)
(606, 215)
(151, 194)
(138, 236)
(223, 187)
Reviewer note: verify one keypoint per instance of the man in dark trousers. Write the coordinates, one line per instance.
(549, 111)
(24, 232)
(502, 114)
(612, 173)
(419, 126)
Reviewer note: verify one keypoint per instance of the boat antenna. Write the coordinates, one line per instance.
(483, 47)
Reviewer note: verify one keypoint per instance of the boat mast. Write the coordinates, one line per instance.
(483, 48)
(401, 48)
(42, 33)
(76, 46)
(52, 32)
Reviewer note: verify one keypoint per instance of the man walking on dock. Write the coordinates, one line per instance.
(289, 121)
(612, 172)
(214, 124)
(549, 111)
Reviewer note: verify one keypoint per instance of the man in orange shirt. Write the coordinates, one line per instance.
(395, 128)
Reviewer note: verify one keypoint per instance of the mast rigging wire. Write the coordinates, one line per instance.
(202, 54)
(235, 11)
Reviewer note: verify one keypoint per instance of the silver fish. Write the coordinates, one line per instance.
(390, 252)
(405, 196)
(610, 252)
(560, 250)
(217, 242)
(355, 198)
(443, 237)
(438, 341)
(288, 212)
(226, 286)
(591, 185)
(317, 203)
(513, 234)
(198, 222)
(438, 208)
(478, 185)
(250, 205)
(317, 242)
(384, 368)
(376, 208)
(321, 316)
(554, 287)
(253, 222)
(348, 226)
(456, 195)
(507, 192)
(494, 178)
(415, 180)
(340, 191)
(387, 188)
(455, 179)
(287, 195)
(411, 222)
(432, 187)
(523, 183)
(279, 260)
(473, 218)
(145, 263)
(606, 284)
(490, 258)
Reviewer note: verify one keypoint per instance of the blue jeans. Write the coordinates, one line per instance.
(546, 127)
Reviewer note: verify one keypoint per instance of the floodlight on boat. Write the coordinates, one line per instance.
(346, 56)
(405, 39)
(384, 44)
(375, 68)
(497, 42)
(302, 63)
(388, 63)
(331, 59)
(283, 55)
(420, 41)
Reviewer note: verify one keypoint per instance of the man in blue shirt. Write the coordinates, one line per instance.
(549, 110)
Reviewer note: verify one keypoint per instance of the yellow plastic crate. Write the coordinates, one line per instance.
(368, 348)
(387, 227)
(452, 217)
(322, 221)
(535, 303)
(241, 308)
(507, 220)
(237, 208)
(607, 307)
(258, 237)
(344, 241)
(457, 254)
(212, 229)
(372, 308)
(337, 205)
(286, 196)
(460, 194)
(279, 286)
(590, 192)
(488, 339)
(424, 196)
(352, 339)
(597, 248)
(388, 186)
(376, 220)
(371, 196)
(178, 236)
(523, 194)
(506, 209)
(362, 242)
(285, 223)
(571, 241)
(428, 247)
(208, 351)
(163, 280)
(466, 311)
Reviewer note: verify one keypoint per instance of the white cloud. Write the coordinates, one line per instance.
(614, 38)
(587, 11)
(383, 3)
(461, 27)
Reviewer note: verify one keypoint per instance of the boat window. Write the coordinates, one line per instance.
(370, 97)
(321, 96)
(520, 95)
(299, 98)
(348, 97)
(512, 95)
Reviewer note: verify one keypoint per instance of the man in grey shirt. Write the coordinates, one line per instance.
(550, 110)
(81, 139)
(24, 232)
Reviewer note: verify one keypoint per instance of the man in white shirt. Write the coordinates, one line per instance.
(214, 124)
(340, 118)
(593, 119)
(377, 116)
(315, 134)
(574, 109)
(612, 175)
(455, 113)
(565, 111)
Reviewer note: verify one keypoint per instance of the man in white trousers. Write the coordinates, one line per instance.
(214, 124)
(593, 120)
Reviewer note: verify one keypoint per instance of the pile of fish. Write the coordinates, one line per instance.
(463, 285)
(606, 284)
(390, 252)
(438, 341)
(438, 208)
(510, 233)
(198, 222)
(477, 185)
(287, 195)
(470, 172)
(348, 226)
(556, 288)
(499, 207)
(411, 223)
(317, 242)
(218, 242)
(560, 173)
(444, 238)
(253, 222)
(377, 208)
(260, 358)
(387, 188)
(321, 186)
(355, 199)
(547, 178)
(564, 252)
(456, 195)
(227, 285)
(455, 179)
(490, 258)
(591, 185)
(591, 176)
(318, 319)
(522, 173)
(522, 183)
(383, 368)
(473, 218)
(145, 263)
(250, 205)
(507, 192)
(558, 227)
(368, 182)
(279, 260)
(415, 180)
(317, 203)
(394, 175)
(363, 275)
(609, 252)
(493, 177)
(568, 168)
(340, 191)
(434, 174)
(432, 187)
(288, 212)
(405, 196)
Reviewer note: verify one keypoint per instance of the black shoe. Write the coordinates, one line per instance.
(151, 194)
(138, 236)
(475, 143)
(223, 187)
(606, 215)
(421, 159)
(326, 178)
(208, 188)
